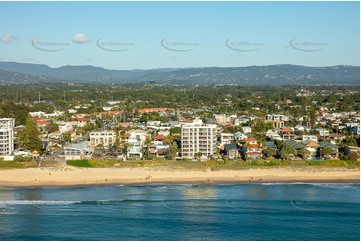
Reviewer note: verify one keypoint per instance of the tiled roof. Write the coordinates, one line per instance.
(159, 137)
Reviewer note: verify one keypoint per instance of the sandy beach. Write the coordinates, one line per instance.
(71, 176)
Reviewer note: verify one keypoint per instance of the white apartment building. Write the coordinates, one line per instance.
(226, 138)
(7, 136)
(198, 138)
(105, 139)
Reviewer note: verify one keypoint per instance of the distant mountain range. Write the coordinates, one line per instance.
(12, 72)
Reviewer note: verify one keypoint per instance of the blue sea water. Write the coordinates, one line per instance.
(182, 212)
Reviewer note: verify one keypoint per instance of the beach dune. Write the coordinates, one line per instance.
(71, 176)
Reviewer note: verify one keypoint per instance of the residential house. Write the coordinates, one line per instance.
(159, 149)
(271, 144)
(164, 133)
(231, 151)
(297, 145)
(309, 137)
(246, 129)
(253, 148)
(239, 136)
(287, 133)
(325, 144)
(336, 137)
(105, 139)
(222, 119)
(311, 146)
(124, 125)
(41, 122)
(64, 127)
(135, 140)
(300, 128)
(107, 108)
(210, 121)
(240, 120)
(273, 135)
(82, 122)
(134, 149)
(159, 137)
(322, 132)
(72, 110)
(57, 135)
(37, 114)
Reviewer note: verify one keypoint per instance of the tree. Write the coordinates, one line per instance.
(67, 137)
(327, 151)
(287, 151)
(168, 140)
(52, 127)
(278, 143)
(29, 136)
(175, 131)
(351, 141)
(259, 126)
(304, 153)
(172, 151)
(269, 152)
(148, 142)
(354, 156)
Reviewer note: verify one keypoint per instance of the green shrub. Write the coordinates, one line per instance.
(19, 158)
(79, 163)
(5, 164)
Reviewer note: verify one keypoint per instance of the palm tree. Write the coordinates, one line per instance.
(148, 142)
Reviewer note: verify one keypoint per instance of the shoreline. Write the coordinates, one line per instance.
(75, 177)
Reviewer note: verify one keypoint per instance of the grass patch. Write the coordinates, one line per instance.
(212, 165)
(16, 165)
(91, 163)
(335, 163)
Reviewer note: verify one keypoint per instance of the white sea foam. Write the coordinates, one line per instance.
(35, 202)
(343, 186)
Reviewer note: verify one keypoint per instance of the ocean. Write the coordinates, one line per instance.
(182, 212)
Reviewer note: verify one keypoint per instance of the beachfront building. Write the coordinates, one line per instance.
(77, 151)
(6, 136)
(198, 138)
(105, 139)
(253, 148)
(135, 142)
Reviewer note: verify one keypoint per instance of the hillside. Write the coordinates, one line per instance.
(12, 72)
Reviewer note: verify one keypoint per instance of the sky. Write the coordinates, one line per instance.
(146, 35)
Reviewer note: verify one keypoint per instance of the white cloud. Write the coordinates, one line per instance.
(80, 38)
(7, 39)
